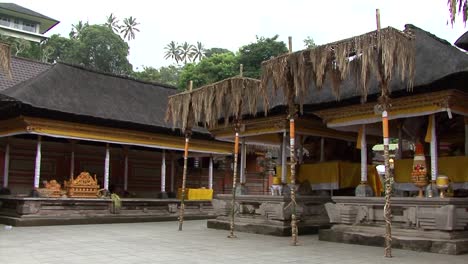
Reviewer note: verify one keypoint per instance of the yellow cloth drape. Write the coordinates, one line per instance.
(341, 174)
(429, 130)
(456, 168)
(196, 194)
(359, 138)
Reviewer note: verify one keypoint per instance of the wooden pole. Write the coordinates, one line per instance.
(385, 131)
(294, 230)
(241, 70)
(6, 165)
(125, 168)
(234, 184)
(188, 132)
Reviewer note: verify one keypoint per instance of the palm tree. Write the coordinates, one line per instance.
(172, 51)
(198, 51)
(113, 23)
(129, 28)
(5, 59)
(186, 52)
(77, 29)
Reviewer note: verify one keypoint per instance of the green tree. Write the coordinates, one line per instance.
(198, 51)
(77, 29)
(209, 70)
(186, 52)
(165, 75)
(253, 54)
(309, 43)
(212, 51)
(100, 48)
(172, 51)
(113, 23)
(57, 48)
(129, 28)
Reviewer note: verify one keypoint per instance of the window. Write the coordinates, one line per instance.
(29, 27)
(5, 21)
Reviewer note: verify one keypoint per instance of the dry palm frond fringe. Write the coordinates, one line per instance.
(358, 56)
(228, 98)
(5, 59)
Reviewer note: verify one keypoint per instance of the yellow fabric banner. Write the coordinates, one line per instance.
(359, 138)
(456, 168)
(429, 130)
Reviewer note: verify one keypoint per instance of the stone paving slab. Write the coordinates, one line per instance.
(161, 243)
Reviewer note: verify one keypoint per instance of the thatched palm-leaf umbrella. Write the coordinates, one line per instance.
(229, 99)
(383, 54)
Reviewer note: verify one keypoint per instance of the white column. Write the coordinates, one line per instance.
(210, 173)
(300, 151)
(322, 149)
(106, 168)
(172, 171)
(434, 167)
(283, 159)
(72, 161)
(126, 169)
(363, 155)
(37, 166)
(6, 166)
(163, 171)
(243, 160)
(400, 141)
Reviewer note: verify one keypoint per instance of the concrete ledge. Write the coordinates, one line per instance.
(371, 238)
(45, 221)
(263, 229)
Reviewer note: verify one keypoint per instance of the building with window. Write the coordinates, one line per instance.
(17, 21)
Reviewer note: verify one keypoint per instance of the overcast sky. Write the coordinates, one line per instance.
(232, 23)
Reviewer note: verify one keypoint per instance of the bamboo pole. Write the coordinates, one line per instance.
(188, 132)
(385, 132)
(234, 184)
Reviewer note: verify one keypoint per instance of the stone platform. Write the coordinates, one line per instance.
(270, 215)
(438, 225)
(26, 211)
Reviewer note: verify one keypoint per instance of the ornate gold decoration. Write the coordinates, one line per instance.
(83, 186)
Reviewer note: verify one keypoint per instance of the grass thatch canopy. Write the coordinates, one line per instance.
(231, 97)
(380, 54)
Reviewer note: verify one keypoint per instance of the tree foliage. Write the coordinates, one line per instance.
(460, 7)
(212, 51)
(166, 75)
(252, 55)
(309, 43)
(209, 70)
(185, 52)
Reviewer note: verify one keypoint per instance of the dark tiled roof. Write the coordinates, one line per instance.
(462, 41)
(76, 90)
(22, 70)
(20, 9)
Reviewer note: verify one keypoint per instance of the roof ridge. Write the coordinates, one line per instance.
(441, 40)
(121, 76)
(32, 60)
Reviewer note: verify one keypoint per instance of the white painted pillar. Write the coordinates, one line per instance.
(434, 159)
(172, 171)
(163, 171)
(322, 149)
(400, 142)
(37, 166)
(363, 155)
(243, 160)
(106, 168)
(300, 151)
(126, 169)
(6, 167)
(283, 159)
(72, 161)
(210, 173)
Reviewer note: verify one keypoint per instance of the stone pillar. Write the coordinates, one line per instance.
(37, 166)
(6, 166)
(106, 168)
(163, 172)
(434, 160)
(284, 173)
(210, 173)
(125, 168)
(363, 189)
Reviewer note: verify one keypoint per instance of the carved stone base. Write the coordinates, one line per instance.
(427, 241)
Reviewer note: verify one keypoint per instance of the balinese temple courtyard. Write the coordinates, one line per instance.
(161, 243)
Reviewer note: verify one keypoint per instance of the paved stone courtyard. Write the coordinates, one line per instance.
(161, 243)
